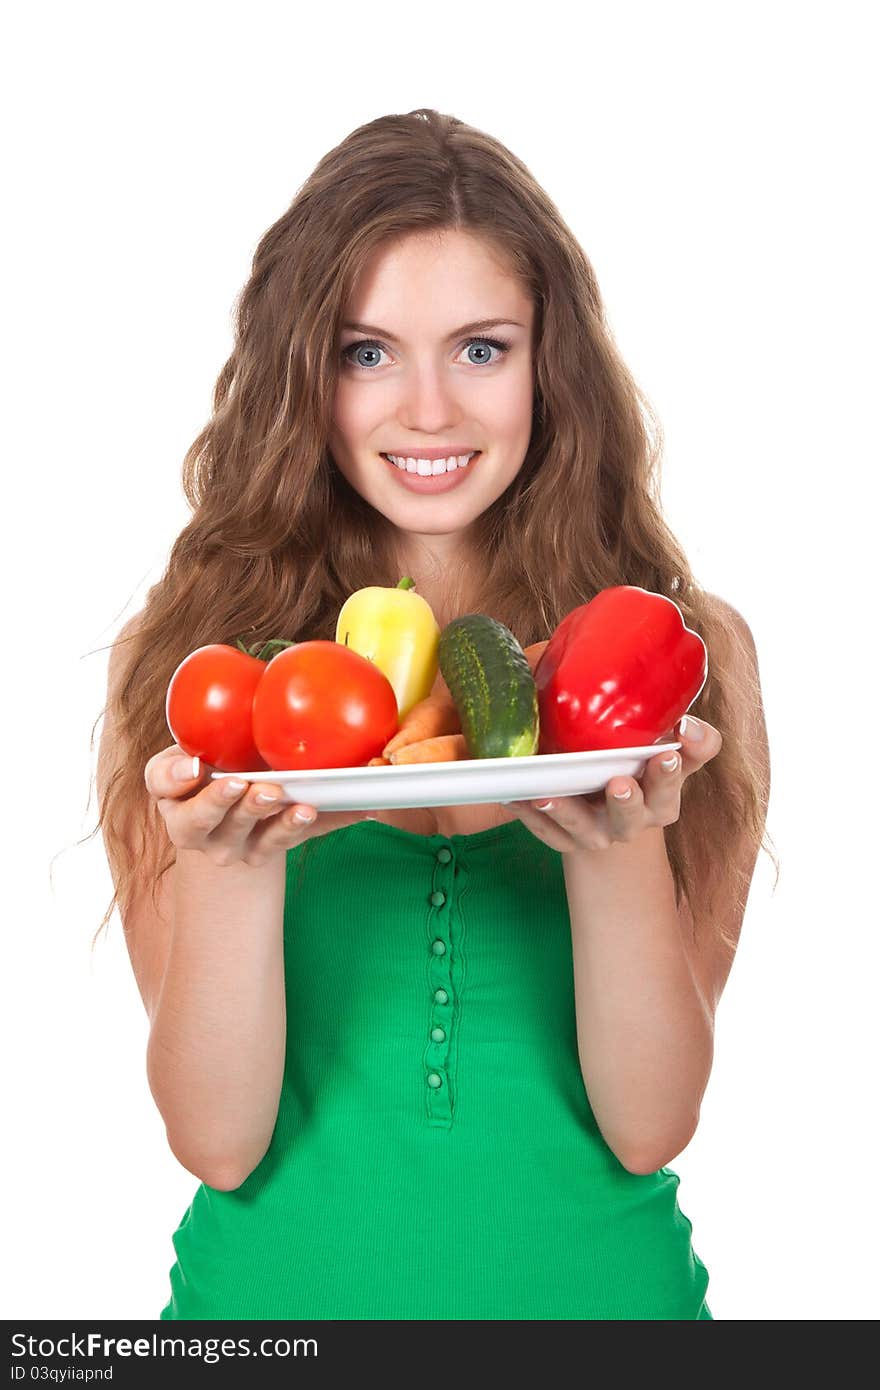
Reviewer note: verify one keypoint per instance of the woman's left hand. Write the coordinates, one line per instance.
(570, 823)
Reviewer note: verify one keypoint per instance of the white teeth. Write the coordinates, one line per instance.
(427, 468)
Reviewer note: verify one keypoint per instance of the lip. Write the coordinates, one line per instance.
(446, 451)
(434, 482)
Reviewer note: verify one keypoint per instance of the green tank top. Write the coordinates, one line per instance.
(435, 1154)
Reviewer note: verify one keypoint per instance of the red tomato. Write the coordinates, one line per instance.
(208, 707)
(320, 704)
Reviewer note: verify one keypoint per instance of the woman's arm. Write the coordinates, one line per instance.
(644, 1030)
(215, 1057)
(646, 992)
(646, 989)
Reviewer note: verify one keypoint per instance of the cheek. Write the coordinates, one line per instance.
(345, 410)
(512, 402)
(360, 416)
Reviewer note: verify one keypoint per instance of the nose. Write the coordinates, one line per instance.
(428, 401)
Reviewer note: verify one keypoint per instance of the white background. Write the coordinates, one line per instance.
(715, 162)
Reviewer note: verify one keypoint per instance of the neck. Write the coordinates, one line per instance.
(443, 581)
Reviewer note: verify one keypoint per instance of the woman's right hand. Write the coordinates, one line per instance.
(199, 814)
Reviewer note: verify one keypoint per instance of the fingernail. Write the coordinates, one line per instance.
(624, 795)
(185, 769)
(543, 805)
(304, 817)
(670, 763)
(232, 786)
(690, 728)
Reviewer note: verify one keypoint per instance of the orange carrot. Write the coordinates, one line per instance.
(436, 715)
(446, 748)
(430, 718)
(534, 653)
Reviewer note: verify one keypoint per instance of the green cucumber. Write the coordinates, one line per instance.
(492, 685)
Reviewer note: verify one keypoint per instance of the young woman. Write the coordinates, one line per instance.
(428, 1063)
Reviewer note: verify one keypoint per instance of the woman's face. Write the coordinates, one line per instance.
(415, 382)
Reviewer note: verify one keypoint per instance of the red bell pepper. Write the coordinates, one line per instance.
(618, 672)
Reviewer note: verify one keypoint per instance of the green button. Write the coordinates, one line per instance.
(439, 948)
(438, 1034)
(434, 1080)
(438, 898)
(444, 855)
(440, 996)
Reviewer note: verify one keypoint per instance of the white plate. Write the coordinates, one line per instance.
(464, 782)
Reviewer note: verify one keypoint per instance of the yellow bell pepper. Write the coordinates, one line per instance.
(396, 629)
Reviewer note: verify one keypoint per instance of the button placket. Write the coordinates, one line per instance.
(438, 1098)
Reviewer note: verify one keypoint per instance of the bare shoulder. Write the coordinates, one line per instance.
(741, 662)
(108, 749)
(108, 745)
(146, 926)
(115, 661)
(734, 623)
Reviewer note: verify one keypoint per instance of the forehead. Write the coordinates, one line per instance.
(437, 280)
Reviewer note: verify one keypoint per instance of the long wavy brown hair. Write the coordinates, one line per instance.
(278, 539)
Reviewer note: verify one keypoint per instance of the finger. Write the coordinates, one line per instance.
(251, 824)
(275, 834)
(625, 808)
(191, 818)
(661, 788)
(544, 825)
(171, 772)
(242, 806)
(184, 770)
(327, 821)
(287, 830)
(700, 742)
(565, 823)
(298, 815)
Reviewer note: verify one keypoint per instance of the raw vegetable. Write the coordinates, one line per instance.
(396, 629)
(492, 685)
(618, 672)
(320, 704)
(428, 719)
(208, 707)
(437, 714)
(534, 653)
(446, 749)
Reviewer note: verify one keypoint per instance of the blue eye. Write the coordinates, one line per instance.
(499, 345)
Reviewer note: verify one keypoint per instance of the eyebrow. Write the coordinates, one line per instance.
(475, 327)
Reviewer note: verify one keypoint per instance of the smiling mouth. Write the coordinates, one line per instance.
(426, 468)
